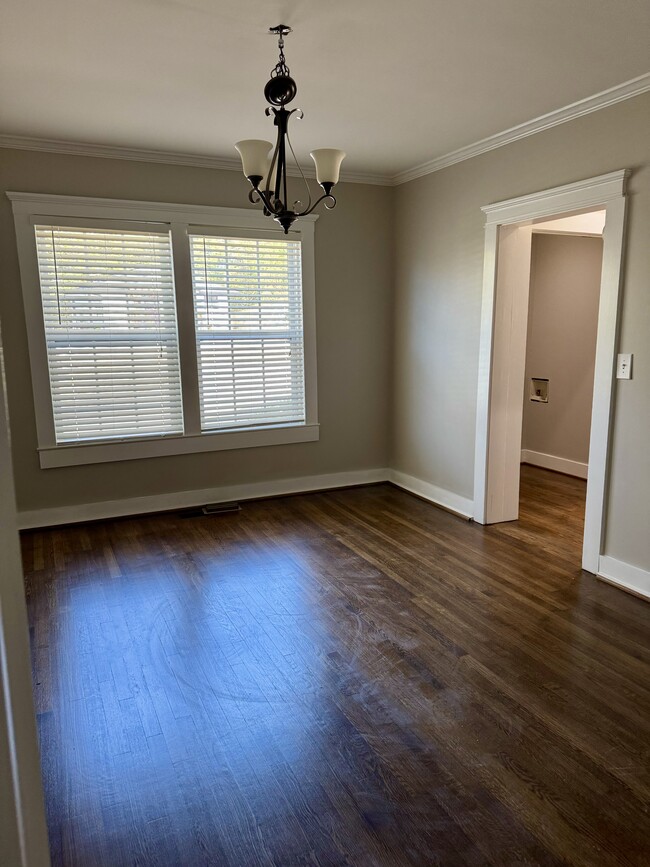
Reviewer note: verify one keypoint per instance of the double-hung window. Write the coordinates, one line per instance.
(249, 334)
(163, 329)
(109, 314)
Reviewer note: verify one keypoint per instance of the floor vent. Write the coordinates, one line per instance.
(220, 508)
(211, 509)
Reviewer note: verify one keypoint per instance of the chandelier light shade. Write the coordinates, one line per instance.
(267, 173)
(255, 158)
(328, 165)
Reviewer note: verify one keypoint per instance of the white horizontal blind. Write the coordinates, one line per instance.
(249, 331)
(111, 334)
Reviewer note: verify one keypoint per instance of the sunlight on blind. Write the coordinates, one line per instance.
(111, 335)
(248, 310)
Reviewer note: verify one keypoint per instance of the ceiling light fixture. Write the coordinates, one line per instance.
(258, 168)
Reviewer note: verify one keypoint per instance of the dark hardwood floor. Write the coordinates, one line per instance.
(346, 678)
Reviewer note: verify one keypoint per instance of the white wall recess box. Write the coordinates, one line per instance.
(539, 390)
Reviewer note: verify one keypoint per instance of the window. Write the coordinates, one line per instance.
(249, 338)
(164, 329)
(110, 331)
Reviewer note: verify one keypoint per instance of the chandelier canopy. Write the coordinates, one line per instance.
(268, 175)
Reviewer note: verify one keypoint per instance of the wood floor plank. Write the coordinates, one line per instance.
(350, 678)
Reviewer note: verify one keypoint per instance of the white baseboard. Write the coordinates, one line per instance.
(614, 571)
(631, 578)
(28, 520)
(553, 462)
(439, 496)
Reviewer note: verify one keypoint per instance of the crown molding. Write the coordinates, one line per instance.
(627, 90)
(115, 152)
(619, 93)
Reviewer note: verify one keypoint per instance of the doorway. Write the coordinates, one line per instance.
(565, 271)
(508, 245)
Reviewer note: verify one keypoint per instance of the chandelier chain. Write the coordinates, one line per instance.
(280, 67)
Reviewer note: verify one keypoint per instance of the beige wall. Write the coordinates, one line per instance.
(439, 228)
(561, 344)
(353, 297)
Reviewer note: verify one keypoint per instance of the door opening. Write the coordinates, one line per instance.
(504, 329)
(566, 264)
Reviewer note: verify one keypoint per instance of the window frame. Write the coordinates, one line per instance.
(33, 208)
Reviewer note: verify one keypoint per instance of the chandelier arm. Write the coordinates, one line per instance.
(323, 198)
(302, 174)
(269, 195)
(269, 205)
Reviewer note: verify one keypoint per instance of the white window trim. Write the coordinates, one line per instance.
(29, 206)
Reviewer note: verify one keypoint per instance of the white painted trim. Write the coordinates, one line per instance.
(178, 220)
(619, 93)
(185, 499)
(46, 205)
(438, 496)
(602, 407)
(553, 462)
(25, 843)
(483, 404)
(178, 158)
(186, 329)
(31, 519)
(607, 190)
(507, 374)
(624, 575)
(611, 96)
(586, 193)
(76, 454)
(310, 360)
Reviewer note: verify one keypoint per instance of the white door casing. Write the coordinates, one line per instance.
(503, 340)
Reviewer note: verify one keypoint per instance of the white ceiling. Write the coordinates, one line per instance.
(591, 223)
(393, 84)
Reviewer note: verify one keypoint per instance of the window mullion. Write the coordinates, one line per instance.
(186, 328)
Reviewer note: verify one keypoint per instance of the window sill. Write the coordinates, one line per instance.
(105, 452)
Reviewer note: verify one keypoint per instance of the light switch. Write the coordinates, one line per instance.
(624, 365)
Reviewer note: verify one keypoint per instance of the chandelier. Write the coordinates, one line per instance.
(268, 176)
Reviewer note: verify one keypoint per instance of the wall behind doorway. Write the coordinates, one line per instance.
(440, 236)
(561, 345)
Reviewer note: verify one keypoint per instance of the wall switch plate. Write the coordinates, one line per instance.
(624, 365)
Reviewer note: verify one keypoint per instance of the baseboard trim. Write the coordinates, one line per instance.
(61, 515)
(438, 496)
(553, 462)
(30, 520)
(631, 578)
